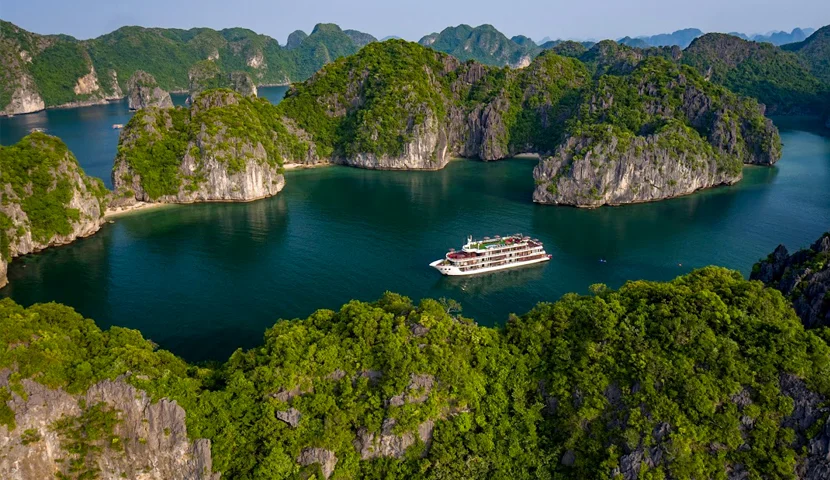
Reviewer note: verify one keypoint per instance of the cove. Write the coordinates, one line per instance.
(203, 280)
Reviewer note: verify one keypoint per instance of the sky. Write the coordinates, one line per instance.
(580, 19)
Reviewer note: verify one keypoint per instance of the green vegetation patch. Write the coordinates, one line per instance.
(690, 368)
(39, 169)
(779, 79)
(56, 71)
(658, 98)
(229, 127)
(368, 103)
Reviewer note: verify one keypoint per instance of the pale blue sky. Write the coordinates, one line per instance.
(412, 19)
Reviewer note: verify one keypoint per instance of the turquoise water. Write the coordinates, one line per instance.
(202, 280)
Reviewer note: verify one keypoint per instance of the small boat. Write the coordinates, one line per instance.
(117, 126)
(490, 255)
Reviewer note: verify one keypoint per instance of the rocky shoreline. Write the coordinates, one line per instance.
(75, 211)
(803, 277)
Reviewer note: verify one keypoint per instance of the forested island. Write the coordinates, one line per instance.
(613, 124)
(705, 376)
(787, 72)
(42, 71)
(45, 198)
(709, 375)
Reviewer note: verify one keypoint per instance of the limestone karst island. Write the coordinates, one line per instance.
(267, 241)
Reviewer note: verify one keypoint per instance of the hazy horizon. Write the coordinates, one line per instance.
(592, 19)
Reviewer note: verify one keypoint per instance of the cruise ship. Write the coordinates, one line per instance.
(491, 254)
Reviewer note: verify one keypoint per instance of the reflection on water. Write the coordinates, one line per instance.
(203, 280)
(488, 283)
(88, 132)
(60, 271)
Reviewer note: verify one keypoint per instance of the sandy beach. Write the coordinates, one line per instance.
(134, 208)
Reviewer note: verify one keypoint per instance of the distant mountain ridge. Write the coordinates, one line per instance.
(780, 79)
(40, 71)
(681, 38)
(484, 44)
(780, 37)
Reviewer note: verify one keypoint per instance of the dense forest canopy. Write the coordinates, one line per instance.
(691, 378)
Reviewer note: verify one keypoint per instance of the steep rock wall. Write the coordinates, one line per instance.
(224, 148)
(69, 204)
(148, 439)
(25, 98)
(643, 171)
(427, 150)
(143, 91)
(658, 132)
(803, 277)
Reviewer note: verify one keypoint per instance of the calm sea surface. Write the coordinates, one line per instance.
(202, 280)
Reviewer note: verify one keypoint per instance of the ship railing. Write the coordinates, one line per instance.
(485, 262)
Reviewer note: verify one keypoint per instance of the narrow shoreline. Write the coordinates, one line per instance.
(108, 100)
(305, 166)
(138, 207)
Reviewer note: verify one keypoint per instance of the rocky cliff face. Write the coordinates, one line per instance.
(143, 91)
(224, 148)
(658, 132)
(612, 173)
(388, 119)
(432, 107)
(803, 277)
(809, 411)
(70, 204)
(142, 439)
(428, 150)
(207, 75)
(242, 83)
(16, 82)
(24, 98)
(71, 72)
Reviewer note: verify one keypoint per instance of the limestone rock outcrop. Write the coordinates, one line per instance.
(611, 174)
(295, 39)
(391, 119)
(242, 83)
(144, 91)
(427, 150)
(326, 459)
(148, 439)
(803, 277)
(72, 205)
(207, 75)
(25, 98)
(387, 444)
(679, 135)
(215, 158)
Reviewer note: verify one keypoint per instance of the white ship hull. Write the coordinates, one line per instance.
(452, 270)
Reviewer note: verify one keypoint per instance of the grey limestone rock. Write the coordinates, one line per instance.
(143, 91)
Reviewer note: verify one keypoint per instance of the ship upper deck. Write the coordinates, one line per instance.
(483, 249)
